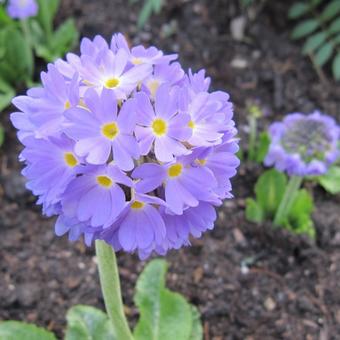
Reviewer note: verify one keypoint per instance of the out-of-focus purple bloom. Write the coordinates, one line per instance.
(123, 146)
(22, 9)
(304, 145)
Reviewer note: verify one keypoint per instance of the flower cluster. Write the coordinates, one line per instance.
(304, 145)
(22, 9)
(124, 146)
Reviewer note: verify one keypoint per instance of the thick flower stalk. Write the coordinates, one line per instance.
(125, 147)
(301, 145)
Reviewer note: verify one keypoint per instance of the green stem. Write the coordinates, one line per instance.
(252, 137)
(110, 284)
(27, 34)
(287, 200)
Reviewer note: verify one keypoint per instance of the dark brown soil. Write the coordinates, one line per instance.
(248, 281)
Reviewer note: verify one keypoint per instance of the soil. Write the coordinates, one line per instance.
(249, 281)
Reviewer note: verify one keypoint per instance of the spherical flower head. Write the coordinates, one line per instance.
(304, 145)
(22, 9)
(124, 146)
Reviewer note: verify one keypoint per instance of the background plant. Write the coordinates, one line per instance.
(319, 25)
(21, 40)
(149, 7)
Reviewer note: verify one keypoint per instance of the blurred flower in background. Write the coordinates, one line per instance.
(304, 145)
(22, 9)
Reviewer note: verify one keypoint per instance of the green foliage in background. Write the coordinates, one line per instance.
(319, 25)
(164, 315)
(149, 7)
(331, 180)
(269, 191)
(22, 40)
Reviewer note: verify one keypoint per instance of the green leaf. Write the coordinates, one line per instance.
(330, 11)
(47, 11)
(197, 329)
(2, 135)
(313, 42)
(335, 26)
(269, 190)
(262, 147)
(336, 67)
(304, 28)
(17, 63)
(149, 7)
(164, 315)
(5, 20)
(303, 204)
(302, 224)
(15, 330)
(331, 180)
(323, 54)
(88, 323)
(254, 212)
(298, 9)
(6, 94)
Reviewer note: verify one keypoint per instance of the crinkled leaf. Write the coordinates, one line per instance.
(336, 67)
(254, 212)
(88, 323)
(164, 315)
(331, 180)
(323, 54)
(15, 330)
(269, 190)
(197, 329)
(313, 42)
(298, 9)
(304, 28)
(331, 10)
(262, 147)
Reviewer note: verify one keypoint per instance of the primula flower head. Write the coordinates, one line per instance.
(22, 9)
(304, 145)
(124, 146)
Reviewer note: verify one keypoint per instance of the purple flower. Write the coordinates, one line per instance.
(139, 227)
(161, 124)
(51, 165)
(123, 146)
(22, 9)
(99, 131)
(96, 196)
(304, 145)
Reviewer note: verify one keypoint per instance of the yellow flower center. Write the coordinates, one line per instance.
(153, 86)
(159, 127)
(201, 161)
(112, 83)
(70, 159)
(191, 124)
(110, 130)
(137, 61)
(67, 105)
(104, 181)
(175, 170)
(137, 205)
